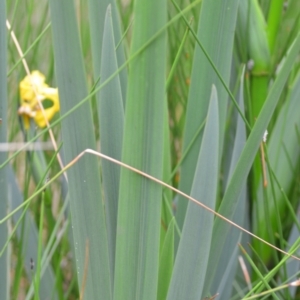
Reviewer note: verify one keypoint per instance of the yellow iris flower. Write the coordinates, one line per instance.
(32, 89)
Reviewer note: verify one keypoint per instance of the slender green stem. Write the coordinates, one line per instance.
(29, 49)
(175, 63)
(39, 256)
(257, 272)
(274, 18)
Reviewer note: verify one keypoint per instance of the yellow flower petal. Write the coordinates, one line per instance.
(32, 89)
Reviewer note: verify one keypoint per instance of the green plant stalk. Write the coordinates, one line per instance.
(274, 19)
(259, 85)
(36, 58)
(37, 277)
(257, 272)
(278, 203)
(199, 130)
(259, 286)
(176, 60)
(36, 41)
(166, 212)
(259, 92)
(280, 169)
(166, 262)
(260, 265)
(17, 278)
(27, 27)
(275, 218)
(259, 81)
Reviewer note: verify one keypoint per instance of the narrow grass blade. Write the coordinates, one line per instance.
(294, 266)
(212, 283)
(97, 9)
(216, 32)
(166, 208)
(88, 219)
(166, 262)
(37, 276)
(137, 252)
(194, 247)
(238, 179)
(4, 259)
(111, 121)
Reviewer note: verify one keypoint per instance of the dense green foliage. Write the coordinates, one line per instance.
(200, 95)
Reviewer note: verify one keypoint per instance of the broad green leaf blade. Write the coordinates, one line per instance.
(234, 235)
(88, 219)
(4, 259)
(216, 32)
(111, 120)
(239, 177)
(194, 247)
(284, 156)
(137, 252)
(97, 9)
(166, 262)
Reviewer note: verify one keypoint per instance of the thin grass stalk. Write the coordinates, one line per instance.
(166, 262)
(98, 154)
(37, 277)
(166, 208)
